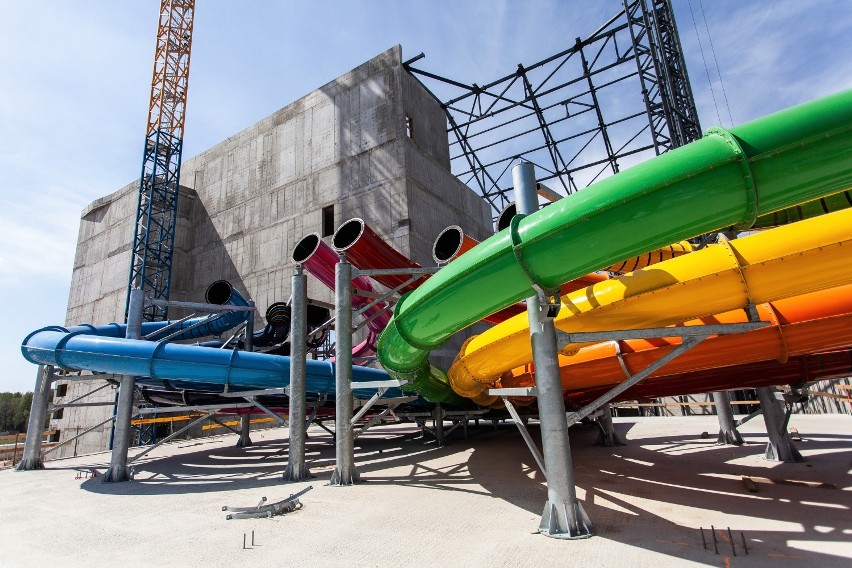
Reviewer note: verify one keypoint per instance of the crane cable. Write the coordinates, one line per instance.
(716, 62)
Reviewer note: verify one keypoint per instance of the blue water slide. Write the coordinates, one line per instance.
(104, 349)
(219, 293)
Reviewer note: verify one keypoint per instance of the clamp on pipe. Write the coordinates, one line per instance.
(550, 302)
(740, 156)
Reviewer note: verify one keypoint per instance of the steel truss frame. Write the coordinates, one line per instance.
(571, 114)
(691, 336)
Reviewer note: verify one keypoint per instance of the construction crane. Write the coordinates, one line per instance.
(156, 214)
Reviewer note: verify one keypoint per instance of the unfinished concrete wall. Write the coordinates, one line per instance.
(98, 295)
(254, 195)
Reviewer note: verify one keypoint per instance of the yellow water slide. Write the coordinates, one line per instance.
(803, 257)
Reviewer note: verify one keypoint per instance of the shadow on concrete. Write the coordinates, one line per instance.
(654, 493)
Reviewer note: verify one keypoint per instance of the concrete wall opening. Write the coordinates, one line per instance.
(328, 220)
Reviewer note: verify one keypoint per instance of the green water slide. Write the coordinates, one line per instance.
(728, 178)
(815, 208)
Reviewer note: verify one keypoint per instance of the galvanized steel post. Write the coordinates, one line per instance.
(35, 426)
(344, 469)
(728, 433)
(118, 470)
(244, 440)
(297, 470)
(780, 446)
(607, 436)
(438, 419)
(563, 515)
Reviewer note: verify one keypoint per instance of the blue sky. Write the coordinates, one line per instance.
(76, 78)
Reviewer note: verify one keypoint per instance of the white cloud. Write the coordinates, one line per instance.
(38, 236)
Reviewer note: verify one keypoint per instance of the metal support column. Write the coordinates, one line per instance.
(563, 515)
(245, 431)
(780, 446)
(35, 426)
(607, 436)
(438, 422)
(344, 469)
(118, 470)
(728, 433)
(297, 470)
(244, 440)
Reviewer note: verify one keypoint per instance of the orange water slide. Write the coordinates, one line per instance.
(800, 325)
(796, 371)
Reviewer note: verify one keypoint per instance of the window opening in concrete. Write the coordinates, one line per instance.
(409, 126)
(328, 221)
(57, 414)
(61, 390)
(54, 437)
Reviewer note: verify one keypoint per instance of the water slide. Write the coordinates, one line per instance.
(178, 366)
(798, 326)
(365, 250)
(453, 242)
(319, 260)
(726, 179)
(810, 255)
(795, 371)
(815, 208)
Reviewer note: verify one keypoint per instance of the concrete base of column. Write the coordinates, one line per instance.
(780, 447)
(730, 438)
(299, 472)
(117, 474)
(556, 521)
(728, 433)
(245, 431)
(606, 431)
(782, 452)
(29, 464)
(344, 477)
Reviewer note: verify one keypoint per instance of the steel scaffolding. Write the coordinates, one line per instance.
(612, 99)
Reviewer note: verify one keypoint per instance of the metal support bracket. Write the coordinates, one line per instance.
(688, 343)
(395, 271)
(564, 339)
(539, 459)
(277, 418)
(172, 436)
(549, 304)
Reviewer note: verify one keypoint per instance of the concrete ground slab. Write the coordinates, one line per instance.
(474, 502)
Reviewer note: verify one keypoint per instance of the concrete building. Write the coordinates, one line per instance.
(370, 144)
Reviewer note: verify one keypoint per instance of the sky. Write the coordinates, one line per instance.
(75, 80)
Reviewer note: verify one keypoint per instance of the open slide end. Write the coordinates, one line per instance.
(219, 292)
(505, 217)
(348, 234)
(306, 248)
(448, 245)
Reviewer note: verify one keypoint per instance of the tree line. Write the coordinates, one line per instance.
(14, 411)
